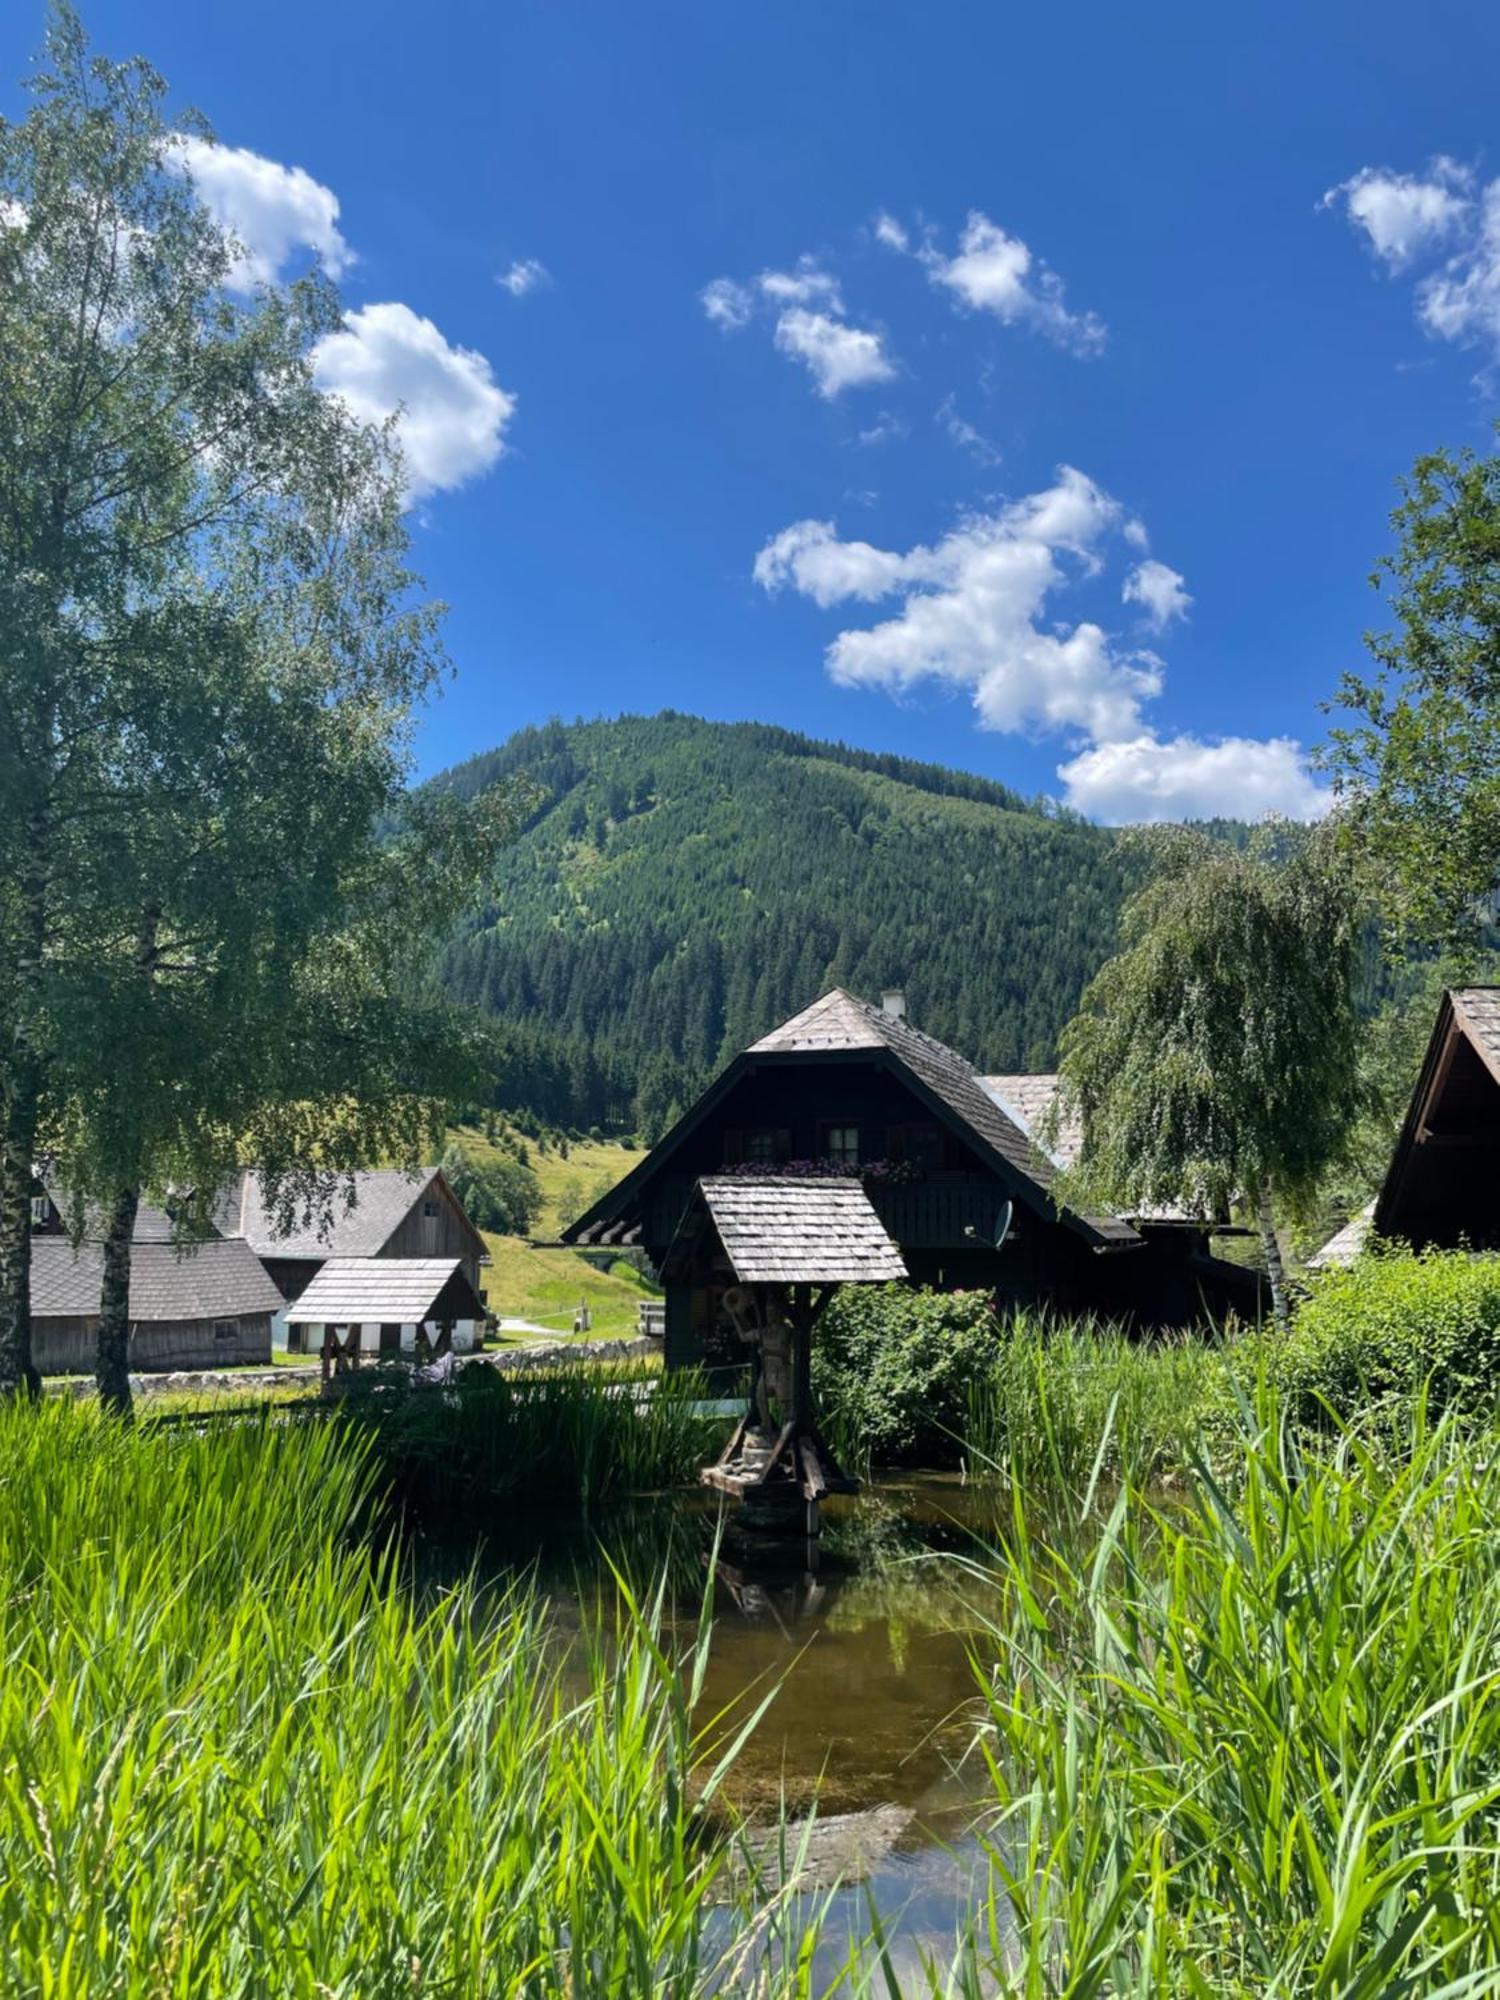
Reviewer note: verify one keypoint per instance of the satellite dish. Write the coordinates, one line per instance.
(1002, 1223)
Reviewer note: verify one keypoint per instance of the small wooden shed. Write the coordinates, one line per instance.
(385, 1294)
(776, 1249)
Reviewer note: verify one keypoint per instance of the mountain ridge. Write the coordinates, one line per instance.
(684, 885)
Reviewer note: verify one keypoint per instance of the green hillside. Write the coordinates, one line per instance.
(687, 884)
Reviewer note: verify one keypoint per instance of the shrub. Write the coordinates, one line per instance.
(501, 1192)
(1383, 1327)
(893, 1370)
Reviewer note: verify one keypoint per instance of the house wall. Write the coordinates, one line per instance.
(444, 1234)
(68, 1346)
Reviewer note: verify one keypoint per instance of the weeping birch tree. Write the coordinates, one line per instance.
(1214, 1063)
(211, 643)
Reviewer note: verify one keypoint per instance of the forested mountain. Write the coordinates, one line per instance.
(685, 885)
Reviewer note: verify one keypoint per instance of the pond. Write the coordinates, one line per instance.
(867, 1638)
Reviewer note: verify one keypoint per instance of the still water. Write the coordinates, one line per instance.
(869, 1638)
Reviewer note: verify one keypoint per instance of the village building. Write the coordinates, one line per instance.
(1442, 1188)
(955, 1164)
(381, 1216)
(192, 1305)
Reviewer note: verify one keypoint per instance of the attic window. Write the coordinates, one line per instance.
(429, 1208)
(841, 1145)
(41, 1211)
(761, 1146)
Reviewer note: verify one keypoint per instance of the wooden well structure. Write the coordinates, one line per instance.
(775, 1247)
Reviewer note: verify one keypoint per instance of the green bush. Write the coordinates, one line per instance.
(1386, 1325)
(893, 1371)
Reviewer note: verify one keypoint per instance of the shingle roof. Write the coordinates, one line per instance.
(1027, 1098)
(213, 1280)
(1478, 1010)
(783, 1231)
(382, 1200)
(840, 1021)
(391, 1291)
(1345, 1244)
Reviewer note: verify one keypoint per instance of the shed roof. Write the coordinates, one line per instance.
(365, 1213)
(786, 1231)
(1345, 1244)
(389, 1291)
(214, 1280)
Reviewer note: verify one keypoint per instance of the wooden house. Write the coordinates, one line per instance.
(951, 1161)
(1442, 1187)
(383, 1214)
(193, 1305)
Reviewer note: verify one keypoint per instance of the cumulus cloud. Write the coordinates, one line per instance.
(995, 272)
(526, 275)
(1404, 214)
(387, 359)
(809, 324)
(1148, 777)
(1161, 592)
(838, 356)
(971, 612)
(271, 210)
(1409, 219)
(977, 610)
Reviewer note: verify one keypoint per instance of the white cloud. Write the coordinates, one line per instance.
(272, 210)
(526, 274)
(807, 285)
(1183, 777)
(1160, 591)
(1407, 218)
(972, 612)
(1462, 301)
(838, 356)
(890, 232)
(885, 427)
(975, 611)
(453, 413)
(809, 324)
(1404, 214)
(727, 304)
(997, 273)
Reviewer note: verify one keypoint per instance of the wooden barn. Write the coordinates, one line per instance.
(379, 1215)
(1442, 1187)
(197, 1305)
(951, 1162)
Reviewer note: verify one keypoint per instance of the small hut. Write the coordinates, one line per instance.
(773, 1250)
(386, 1295)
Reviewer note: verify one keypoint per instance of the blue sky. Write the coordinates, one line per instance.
(995, 385)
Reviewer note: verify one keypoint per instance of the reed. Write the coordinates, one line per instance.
(1251, 1745)
(237, 1758)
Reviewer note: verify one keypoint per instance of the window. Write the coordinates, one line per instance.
(841, 1145)
(760, 1146)
(429, 1209)
(918, 1145)
(41, 1211)
(226, 1330)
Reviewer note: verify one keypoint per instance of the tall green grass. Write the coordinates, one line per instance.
(237, 1759)
(1064, 1401)
(1252, 1746)
(575, 1438)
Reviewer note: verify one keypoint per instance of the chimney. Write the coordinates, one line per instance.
(893, 1004)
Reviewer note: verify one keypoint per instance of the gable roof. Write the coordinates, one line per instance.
(389, 1291)
(218, 1279)
(1468, 1020)
(382, 1198)
(1345, 1244)
(780, 1230)
(1027, 1098)
(839, 1023)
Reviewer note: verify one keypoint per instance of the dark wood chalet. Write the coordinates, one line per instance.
(952, 1166)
